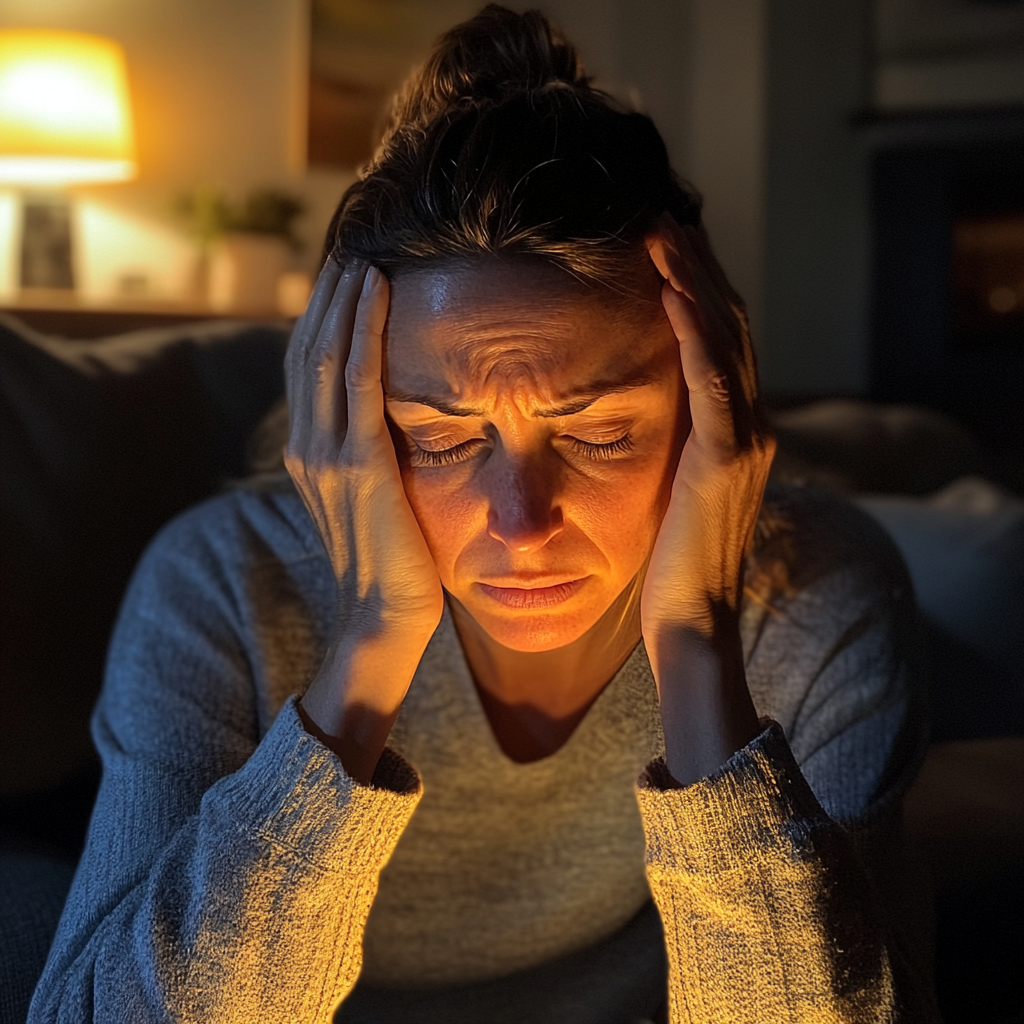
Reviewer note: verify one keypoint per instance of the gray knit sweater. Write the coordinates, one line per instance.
(234, 872)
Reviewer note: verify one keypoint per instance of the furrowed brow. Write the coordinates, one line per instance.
(446, 408)
(587, 395)
(581, 398)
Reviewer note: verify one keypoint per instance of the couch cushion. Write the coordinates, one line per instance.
(100, 443)
(860, 447)
(964, 546)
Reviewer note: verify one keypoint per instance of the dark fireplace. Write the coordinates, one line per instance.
(948, 220)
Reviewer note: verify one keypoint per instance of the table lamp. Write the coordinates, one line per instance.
(65, 119)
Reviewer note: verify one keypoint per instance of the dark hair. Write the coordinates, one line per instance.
(499, 145)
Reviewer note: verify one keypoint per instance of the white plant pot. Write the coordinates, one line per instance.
(244, 271)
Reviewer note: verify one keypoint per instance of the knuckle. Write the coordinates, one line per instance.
(357, 378)
(323, 357)
(294, 463)
(298, 475)
(719, 390)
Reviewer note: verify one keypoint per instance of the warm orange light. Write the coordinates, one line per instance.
(65, 115)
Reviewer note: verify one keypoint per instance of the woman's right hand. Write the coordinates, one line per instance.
(341, 457)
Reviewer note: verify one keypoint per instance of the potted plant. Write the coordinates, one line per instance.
(247, 244)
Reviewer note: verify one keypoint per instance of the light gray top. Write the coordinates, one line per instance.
(233, 869)
(563, 834)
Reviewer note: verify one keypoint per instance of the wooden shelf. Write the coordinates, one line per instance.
(68, 317)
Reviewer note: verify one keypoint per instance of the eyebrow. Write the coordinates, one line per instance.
(579, 398)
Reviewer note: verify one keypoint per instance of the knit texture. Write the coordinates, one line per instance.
(234, 872)
(777, 890)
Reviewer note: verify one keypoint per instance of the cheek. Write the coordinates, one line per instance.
(622, 512)
(448, 512)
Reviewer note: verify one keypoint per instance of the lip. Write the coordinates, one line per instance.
(533, 597)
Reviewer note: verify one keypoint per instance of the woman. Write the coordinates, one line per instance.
(395, 735)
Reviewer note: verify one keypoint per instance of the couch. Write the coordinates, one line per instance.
(102, 441)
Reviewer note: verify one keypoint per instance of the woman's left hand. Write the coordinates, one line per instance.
(690, 602)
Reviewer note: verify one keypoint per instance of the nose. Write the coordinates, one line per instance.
(523, 513)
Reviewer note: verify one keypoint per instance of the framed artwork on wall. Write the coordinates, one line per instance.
(360, 52)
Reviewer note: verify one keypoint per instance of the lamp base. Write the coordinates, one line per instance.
(46, 243)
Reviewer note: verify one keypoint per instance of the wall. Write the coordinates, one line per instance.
(218, 91)
(947, 54)
(816, 241)
(726, 150)
(754, 98)
(694, 65)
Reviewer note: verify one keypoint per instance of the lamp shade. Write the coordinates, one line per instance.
(65, 115)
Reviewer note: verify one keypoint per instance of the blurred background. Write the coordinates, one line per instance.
(862, 164)
(823, 135)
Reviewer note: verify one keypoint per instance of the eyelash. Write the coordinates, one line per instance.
(603, 451)
(458, 452)
(442, 456)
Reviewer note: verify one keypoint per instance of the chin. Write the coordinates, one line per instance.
(534, 632)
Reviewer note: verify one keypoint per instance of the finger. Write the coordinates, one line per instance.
(327, 359)
(708, 385)
(684, 258)
(710, 323)
(706, 311)
(713, 317)
(323, 293)
(717, 296)
(335, 332)
(664, 250)
(308, 325)
(363, 371)
(315, 414)
(299, 387)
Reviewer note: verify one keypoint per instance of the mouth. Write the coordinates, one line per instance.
(533, 597)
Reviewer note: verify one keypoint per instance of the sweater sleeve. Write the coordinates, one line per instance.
(769, 914)
(225, 877)
(782, 879)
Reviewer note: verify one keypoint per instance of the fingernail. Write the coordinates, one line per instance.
(371, 279)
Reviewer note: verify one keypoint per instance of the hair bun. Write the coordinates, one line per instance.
(499, 146)
(495, 55)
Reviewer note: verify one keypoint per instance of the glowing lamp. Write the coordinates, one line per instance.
(65, 116)
(65, 119)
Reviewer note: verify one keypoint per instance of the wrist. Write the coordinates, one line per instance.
(355, 697)
(706, 709)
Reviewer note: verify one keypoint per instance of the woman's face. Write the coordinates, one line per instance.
(538, 431)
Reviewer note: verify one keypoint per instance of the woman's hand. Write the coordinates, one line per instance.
(342, 460)
(690, 603)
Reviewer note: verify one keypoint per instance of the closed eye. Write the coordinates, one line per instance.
(445, 456)
(456, 453)
(608, 450)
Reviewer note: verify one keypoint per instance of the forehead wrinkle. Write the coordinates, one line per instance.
(501, 381)
(492, 363)
(467, 341)
(572, 400)
(468, 378)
